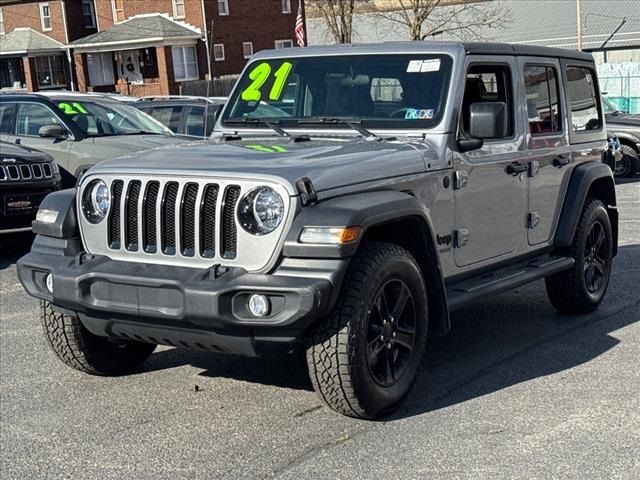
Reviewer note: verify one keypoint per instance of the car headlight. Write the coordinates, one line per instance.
(96, 200)
(261, 211)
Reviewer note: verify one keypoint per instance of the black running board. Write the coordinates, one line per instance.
(503, 279)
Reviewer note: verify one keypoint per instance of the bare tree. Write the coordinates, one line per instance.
(338, 15)
(464, 19)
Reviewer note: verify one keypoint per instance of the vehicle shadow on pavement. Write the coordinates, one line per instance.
(14, 246)
(513, 338)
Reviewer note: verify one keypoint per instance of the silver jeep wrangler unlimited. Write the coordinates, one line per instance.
(354, 196)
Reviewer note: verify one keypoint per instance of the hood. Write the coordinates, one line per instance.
(623, 119)
(134, 143)
(329, 163)
(12, 153)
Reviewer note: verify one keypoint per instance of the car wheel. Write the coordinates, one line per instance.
(628, 164)
(81, 350)
(581, 289)
(364, 358)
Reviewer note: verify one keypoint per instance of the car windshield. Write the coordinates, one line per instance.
(98, 118)
(609, 107)
(378, 91)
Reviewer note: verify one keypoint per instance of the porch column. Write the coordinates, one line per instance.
(80, 62)
(30, 76)
(165, 71)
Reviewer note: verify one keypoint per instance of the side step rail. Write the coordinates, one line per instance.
(501, 280)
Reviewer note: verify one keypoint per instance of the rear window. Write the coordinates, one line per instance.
(582, 92)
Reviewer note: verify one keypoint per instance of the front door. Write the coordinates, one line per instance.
(490, 182)
(548, 148)
(129, 66)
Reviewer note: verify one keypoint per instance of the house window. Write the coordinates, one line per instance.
(223, 7)
(185, 63)
(284, 44)
(118, 10)
(178, 8)
(88, 14)
(45, 17)
(543, 108)
(218, 52)
(247, 49)
(50, 72)
(100, 66)
(286, 6)
(1, 22)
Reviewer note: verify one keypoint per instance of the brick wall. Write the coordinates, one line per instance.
(28, 15)
(75, 20)
(104, 11)
(258, 21)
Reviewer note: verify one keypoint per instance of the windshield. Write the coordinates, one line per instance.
(609, 107)
(98, 118)
(381, 91)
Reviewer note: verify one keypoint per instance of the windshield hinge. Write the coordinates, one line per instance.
(307, 192)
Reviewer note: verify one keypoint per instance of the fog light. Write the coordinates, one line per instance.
(48, 281)
(259, 305)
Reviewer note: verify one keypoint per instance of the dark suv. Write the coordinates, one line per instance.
(26, 177)
(185, 116)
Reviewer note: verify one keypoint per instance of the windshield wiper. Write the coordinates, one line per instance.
(273, 125)
(353, 124)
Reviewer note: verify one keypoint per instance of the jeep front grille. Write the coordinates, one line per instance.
(180, 221)
(26, 172)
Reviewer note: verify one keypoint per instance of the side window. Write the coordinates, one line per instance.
(586, 114)
(168, 116)
(31, 117)
(487, 83)
(195, 121)
(543, 107)
(6, 115)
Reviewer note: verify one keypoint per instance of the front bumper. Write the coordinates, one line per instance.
(200, 308)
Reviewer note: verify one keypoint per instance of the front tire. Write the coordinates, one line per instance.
(581, 289)
(364, 357)
(81, 350)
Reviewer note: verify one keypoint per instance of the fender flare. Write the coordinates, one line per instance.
(582, 179)
(367, 210)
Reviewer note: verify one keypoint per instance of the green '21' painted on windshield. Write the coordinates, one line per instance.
(259, 75)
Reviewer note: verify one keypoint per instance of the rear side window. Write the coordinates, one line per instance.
(195, 121)
(583, 99)
(543, 107)
(169, 116)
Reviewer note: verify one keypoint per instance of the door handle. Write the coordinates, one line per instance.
(561, 160)
(515, 168)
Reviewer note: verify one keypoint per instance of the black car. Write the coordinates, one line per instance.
(26, 177)
(187, 116)
(627, 128)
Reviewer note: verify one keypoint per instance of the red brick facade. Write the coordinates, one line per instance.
(261, 22)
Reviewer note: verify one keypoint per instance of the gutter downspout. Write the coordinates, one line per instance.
(66, 41)
(206, 39)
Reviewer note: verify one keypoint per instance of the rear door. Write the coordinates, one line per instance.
(490, 186)
(548, 151)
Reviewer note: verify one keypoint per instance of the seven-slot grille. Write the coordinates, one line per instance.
(24, 172)
(170, 218)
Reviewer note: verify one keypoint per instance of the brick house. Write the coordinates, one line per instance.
(140, 47)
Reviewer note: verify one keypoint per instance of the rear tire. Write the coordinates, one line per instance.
(81, 350)
(628, 165)
(581, 289)
(364, 357)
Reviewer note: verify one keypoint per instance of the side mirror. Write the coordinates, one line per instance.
(488, 120)
(53, 131)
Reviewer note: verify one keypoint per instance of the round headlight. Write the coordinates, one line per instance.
(95, 201)
(261, 211)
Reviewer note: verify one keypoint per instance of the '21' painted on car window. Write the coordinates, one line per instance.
(259, 76)
(72, 108)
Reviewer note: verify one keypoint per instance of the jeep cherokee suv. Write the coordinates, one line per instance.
(390, 185)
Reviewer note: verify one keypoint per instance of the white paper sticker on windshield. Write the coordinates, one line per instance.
(430, 65)
(414, 66)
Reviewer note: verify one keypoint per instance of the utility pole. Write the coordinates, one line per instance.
(579, 25)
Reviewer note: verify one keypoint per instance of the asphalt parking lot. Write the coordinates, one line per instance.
(517, 391)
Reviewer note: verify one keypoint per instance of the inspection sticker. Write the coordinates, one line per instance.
(423, 66)
(419, 114)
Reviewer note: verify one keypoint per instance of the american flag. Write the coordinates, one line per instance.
(299, 30)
